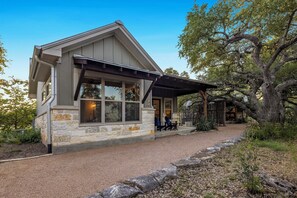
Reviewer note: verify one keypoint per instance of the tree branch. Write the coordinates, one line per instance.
(279, 50)
(280, 64)
(285, 85)
(256, 43)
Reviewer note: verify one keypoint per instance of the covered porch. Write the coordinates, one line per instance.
(164, 100)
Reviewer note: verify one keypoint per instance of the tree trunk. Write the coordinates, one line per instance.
(272, 110)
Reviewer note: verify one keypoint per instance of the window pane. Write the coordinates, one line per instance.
(90, 111)
(132, 111)
(90, 90)
(132, 91)
(113, 111)
(113, 90)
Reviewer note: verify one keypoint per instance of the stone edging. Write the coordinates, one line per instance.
(142, 184)
(25, 158)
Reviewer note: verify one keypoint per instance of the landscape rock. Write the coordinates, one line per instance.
(279, 184)
(96, 195)
(168, 172)
(213, 149)
(187, 163)
(120, 191)
(145, 183)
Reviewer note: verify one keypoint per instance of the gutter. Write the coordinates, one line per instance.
(49, 103)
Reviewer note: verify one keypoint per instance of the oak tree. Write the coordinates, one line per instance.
(244, 46)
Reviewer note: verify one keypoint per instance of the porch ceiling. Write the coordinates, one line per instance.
(178, 86)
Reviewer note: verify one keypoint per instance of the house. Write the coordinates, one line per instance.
(101, 88)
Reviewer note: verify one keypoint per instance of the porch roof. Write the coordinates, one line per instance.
(113, 68)
(178, 86)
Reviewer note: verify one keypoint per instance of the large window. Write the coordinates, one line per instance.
(113, 101)
(104, 101)
(132, 99)
(90, 102)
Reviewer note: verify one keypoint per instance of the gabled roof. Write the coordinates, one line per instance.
(51, 52)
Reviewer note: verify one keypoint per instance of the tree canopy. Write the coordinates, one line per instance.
(3, 59)
(171, 71)
(249, 49)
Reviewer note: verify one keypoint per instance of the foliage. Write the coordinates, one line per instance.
(171, 71)
(204, 124)
(17, 111)
(248, 166)
(185, 74)
(272, 144)
(249, 49)
(272, 131)
(3, 59)
(20, 136)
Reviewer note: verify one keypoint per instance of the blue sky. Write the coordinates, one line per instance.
(156, 24)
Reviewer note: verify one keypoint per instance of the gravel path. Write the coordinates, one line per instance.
(82, 173)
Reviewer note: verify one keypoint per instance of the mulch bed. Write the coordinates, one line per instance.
(221, 176)
(11, 151)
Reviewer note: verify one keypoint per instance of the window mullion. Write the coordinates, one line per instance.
(123, 102)
(103, 101)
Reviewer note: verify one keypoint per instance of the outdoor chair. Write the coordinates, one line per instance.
(169, 125)
(159, 125)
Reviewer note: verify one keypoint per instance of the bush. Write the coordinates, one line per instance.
(20, 136)
(249, 167)
(272, 131)
(205, 124)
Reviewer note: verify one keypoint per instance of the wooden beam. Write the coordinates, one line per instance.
(80, 80)
(204, 97)
(149, 90)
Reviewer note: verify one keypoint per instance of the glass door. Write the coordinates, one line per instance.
(157, 107)
(168, 107)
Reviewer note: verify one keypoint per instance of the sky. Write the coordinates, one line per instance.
(156, 25)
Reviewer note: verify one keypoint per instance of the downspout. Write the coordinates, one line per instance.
(49, 103)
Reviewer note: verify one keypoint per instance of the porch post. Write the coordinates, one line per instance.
(204, 98)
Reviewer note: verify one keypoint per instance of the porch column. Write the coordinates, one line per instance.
(204, 98)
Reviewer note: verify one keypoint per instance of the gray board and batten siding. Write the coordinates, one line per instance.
(108, 49)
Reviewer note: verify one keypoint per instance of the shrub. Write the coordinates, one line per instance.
(249, 167)
(20, 136)
(30, 136)
(203, 125)
(272, 131)
(206, 124)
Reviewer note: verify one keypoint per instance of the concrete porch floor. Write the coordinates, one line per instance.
(182, 130)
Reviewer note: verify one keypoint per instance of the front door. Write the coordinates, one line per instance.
(157, 107)
(168, 107)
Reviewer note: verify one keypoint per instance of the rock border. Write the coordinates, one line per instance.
(145, 183)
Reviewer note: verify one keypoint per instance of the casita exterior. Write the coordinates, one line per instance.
(101, 88)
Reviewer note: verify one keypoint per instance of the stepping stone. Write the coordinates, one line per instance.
(120, 191)
(145, 183)
(168, 172)
(187, 163)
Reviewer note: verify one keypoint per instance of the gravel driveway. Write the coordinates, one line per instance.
(82, 173)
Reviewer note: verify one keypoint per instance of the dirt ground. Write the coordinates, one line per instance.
(10, 151)
(82, 173)
(221, 176)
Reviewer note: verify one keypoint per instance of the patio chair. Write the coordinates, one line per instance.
(169, 125)
(159, 125)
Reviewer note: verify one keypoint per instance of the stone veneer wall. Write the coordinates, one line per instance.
(66, 131)
(41, 123)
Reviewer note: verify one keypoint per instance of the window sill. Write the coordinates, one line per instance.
(108, 123)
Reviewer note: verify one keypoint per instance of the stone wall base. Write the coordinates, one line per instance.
(100, 144)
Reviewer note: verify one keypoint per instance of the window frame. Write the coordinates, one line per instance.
(47, 89)
(123, 80)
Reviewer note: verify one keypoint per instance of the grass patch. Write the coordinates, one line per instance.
(272, 144)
